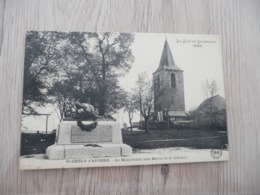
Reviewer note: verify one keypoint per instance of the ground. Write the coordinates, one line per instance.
(157, 147)
(197, 139)
(139, 157)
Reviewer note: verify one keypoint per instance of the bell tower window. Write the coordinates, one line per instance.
(173, 81)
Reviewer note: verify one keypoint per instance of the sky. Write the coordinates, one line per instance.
(199, 56)
(198, 63)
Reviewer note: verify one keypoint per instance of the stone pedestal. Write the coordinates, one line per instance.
(104, 141)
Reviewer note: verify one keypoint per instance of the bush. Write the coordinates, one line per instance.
(36, 143)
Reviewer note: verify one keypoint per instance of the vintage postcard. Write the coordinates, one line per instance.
(98, 99)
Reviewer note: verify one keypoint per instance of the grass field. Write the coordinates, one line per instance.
(197, 139)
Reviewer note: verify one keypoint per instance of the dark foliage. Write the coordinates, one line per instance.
(35, 143)
(62, 68)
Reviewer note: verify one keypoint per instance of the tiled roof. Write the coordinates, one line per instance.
(177, 113)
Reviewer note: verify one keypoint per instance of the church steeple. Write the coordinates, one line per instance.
(169, 85)
(167, 61)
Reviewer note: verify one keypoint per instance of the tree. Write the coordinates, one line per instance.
(63, 95)
(210, 89)
(144, 97)
(42, 53)
(130, 106)
(106, 56)
(166, 105)
(62, 67)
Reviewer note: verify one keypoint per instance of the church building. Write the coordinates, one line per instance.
(169, 88)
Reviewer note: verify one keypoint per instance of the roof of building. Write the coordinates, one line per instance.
(167, 61)
(177, 113)
(217, 102)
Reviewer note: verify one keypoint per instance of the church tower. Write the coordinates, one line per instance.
(168, 86)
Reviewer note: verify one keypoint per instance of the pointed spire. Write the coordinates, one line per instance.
(167, 61)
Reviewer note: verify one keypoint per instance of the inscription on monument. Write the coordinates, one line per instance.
(100, 134)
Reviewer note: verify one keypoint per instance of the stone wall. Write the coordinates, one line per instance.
(169, 98)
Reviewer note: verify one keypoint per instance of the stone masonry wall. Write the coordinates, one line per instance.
(169, 98)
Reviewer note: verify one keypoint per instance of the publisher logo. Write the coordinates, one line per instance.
(216, 154)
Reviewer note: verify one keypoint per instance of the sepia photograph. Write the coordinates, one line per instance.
(98, 99)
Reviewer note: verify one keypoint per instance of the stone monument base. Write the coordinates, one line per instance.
(58, 152)
(104, 141)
